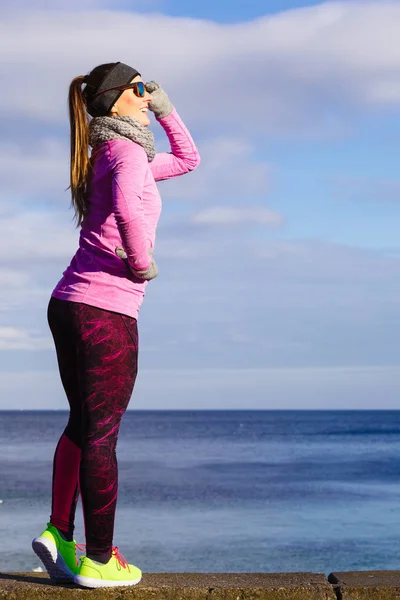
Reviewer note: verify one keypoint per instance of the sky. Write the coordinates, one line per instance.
(279, 257)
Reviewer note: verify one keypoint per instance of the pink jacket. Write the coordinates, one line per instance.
(124, 208)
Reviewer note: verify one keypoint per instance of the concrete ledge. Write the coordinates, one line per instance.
(178, 586)
(363, 585)
(351, 585)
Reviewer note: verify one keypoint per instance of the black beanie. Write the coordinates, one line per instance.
(96, 81)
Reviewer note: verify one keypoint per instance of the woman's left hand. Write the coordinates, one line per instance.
(160, 105)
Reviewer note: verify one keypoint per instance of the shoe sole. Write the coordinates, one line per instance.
(91, 582)
(52, 560)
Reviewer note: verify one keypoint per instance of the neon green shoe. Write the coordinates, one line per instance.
(115, 573)
(57, 555)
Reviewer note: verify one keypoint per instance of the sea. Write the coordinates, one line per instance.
(224, 491)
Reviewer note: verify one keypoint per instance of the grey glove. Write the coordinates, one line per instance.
(150, 273)
(161, 105)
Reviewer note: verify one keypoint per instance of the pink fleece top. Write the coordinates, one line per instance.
(124, 208)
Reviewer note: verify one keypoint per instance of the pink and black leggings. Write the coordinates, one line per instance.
(97, 352)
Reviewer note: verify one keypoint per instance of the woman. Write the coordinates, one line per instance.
(93, 309)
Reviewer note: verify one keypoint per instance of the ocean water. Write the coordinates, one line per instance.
(224, 491)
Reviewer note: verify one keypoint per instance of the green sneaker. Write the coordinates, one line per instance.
(115, 573)
(57, 555)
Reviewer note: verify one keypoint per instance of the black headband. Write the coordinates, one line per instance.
(119, 74)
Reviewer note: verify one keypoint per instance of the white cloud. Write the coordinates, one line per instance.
(238, 215)
(35, 248)
(39, 169)
(231, 170)
(74, 5)
(297, 70)
(12, 338)
(29, 237)
(20, 288)
(385, 91)
(10, 278)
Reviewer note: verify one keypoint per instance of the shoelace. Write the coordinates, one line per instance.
(81, 548)
(115, 551)
(121, 559)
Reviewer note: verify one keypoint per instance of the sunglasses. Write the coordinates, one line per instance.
(139, 89)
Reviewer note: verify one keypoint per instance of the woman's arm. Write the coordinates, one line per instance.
(129, 164)
(184, 156)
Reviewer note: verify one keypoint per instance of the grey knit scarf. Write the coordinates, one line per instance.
(102, 129)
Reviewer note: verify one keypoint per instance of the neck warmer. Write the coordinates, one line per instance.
(102, 129)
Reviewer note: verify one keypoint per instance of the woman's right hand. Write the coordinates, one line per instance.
(150, 273)
(160, 104)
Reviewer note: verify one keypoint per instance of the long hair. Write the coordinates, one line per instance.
(79, 102)
(80, 161)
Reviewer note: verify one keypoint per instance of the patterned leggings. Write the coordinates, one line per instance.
(97, 353)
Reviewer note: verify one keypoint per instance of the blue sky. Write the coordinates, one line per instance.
(235, 11)
(279, 257)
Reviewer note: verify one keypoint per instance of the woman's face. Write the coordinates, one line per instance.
(129, 105)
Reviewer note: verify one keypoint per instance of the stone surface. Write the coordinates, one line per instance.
(363, 585)
(178, 586)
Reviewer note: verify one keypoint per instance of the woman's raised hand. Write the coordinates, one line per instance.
(160, 105)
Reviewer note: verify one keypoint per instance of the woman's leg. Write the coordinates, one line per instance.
(107, 359)
(67, 456)
(97, 352)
